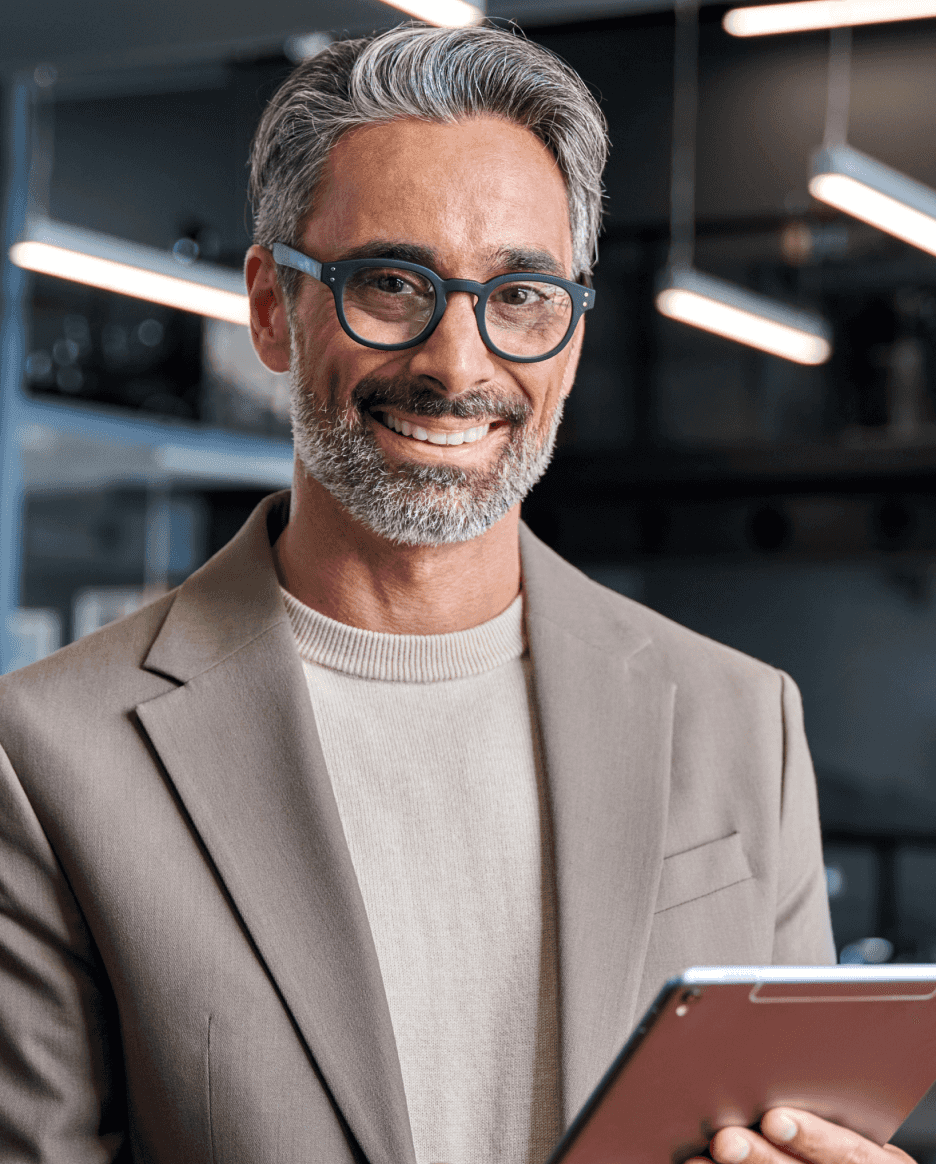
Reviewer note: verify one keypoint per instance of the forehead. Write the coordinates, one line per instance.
(462, 190)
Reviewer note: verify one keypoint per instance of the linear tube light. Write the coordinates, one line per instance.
(808, 15)
(738, 314)
(866, 189)
(444, 13)
(101, 260)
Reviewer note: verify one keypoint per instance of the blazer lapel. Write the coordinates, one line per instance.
(239, 743)
(605, 715)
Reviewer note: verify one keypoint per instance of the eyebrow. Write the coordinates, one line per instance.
(383, 249)
(529, 259)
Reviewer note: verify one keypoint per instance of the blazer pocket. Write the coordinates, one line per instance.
(702, 870)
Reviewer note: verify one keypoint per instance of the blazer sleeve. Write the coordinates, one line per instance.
(59, 1052)
(803, 929)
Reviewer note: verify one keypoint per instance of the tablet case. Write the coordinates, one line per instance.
(721, 1046)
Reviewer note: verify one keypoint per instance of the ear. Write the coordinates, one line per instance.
(269, 323)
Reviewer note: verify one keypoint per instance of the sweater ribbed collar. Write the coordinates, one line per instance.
(406, 658)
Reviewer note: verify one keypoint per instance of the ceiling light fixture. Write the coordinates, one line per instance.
(862, 186)
(738, 314)
(701, 300)
(112, 264)
(808, 15)
(303, 46)
(444, 13)
(867, 189)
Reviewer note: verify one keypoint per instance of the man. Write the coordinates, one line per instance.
(373, 839)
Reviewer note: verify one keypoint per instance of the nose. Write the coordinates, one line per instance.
(454, 355)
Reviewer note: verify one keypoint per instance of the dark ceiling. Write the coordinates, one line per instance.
(103, 33)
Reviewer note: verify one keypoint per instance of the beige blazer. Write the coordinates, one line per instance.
(186, 966)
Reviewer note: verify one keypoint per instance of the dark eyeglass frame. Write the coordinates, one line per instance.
(336, 275)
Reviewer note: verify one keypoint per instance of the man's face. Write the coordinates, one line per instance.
(471, 200)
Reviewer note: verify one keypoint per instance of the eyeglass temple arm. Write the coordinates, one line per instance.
(285, 256)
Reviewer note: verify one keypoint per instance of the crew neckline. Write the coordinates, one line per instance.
(369, 654)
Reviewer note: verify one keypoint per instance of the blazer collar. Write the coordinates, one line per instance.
(236, 596)
(231, 600)
(238, 741)
(605, 712)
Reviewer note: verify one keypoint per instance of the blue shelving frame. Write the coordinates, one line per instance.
(180, 452)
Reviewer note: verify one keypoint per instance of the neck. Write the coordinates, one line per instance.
(335, 565)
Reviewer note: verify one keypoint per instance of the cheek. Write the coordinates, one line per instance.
(315, 309)
(544, 392)
(571, 359)
(331, 364)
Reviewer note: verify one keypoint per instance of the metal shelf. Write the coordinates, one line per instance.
(66, 446)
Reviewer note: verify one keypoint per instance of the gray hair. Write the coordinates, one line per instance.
(432, 74)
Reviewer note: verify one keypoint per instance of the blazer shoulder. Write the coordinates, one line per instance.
(685, 648)
(102, 670)
(232, 597)
(611, 621)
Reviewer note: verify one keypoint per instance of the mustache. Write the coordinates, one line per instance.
(417, 396)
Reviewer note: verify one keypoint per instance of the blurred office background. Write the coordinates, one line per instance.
(786, 509)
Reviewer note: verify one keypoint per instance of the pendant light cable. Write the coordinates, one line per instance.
(839, 96)
(685, 123)
(691, 296)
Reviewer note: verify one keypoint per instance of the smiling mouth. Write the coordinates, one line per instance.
(432, 436)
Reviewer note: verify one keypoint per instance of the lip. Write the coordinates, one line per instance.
(421, 449)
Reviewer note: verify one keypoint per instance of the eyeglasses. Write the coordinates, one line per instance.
(390, 305)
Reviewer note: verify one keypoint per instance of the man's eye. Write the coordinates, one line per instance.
(519, 295)
(392, 285)
(386, 281)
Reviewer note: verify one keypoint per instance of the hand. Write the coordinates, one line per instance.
(786, 1132)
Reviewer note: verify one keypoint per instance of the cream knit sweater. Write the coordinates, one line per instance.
(433, 753)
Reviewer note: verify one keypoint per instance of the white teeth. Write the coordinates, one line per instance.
(466, 437)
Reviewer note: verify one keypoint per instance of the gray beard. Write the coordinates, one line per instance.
(414, 504)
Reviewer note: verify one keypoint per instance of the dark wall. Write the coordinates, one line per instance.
(150, 166)
(139, 165)
(761, 110)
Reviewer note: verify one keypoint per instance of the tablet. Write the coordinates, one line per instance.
(722, 1045)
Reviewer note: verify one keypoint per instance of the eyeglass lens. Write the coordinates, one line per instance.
(524, 317)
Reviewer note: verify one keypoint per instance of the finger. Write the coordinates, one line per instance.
(732, 1145)
(815, 1139)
